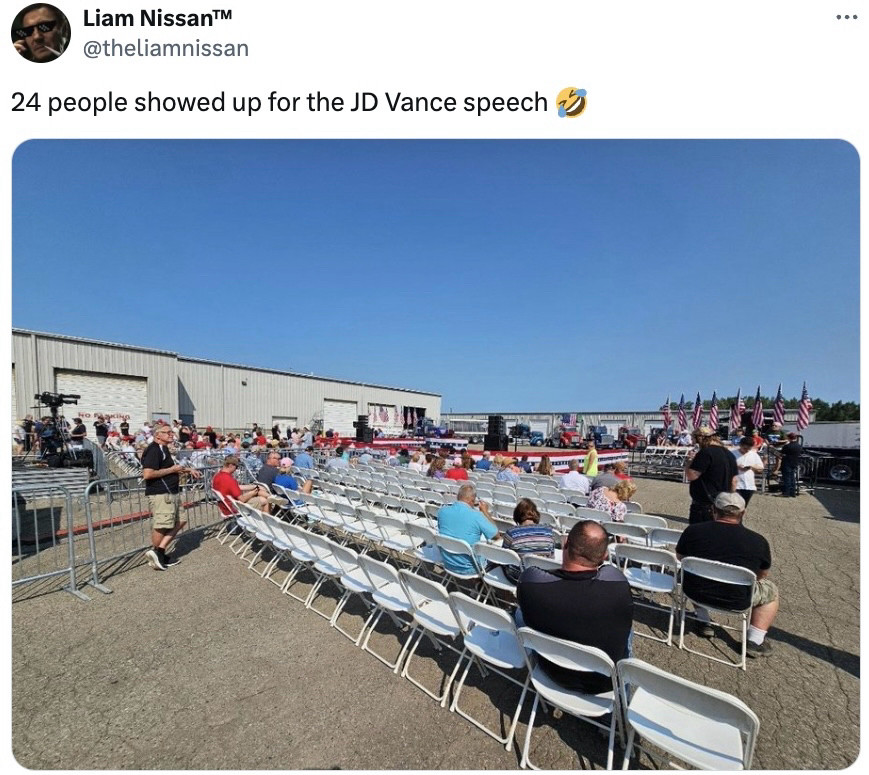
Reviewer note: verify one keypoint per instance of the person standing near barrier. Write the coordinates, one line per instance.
(163, 487)
(711, 471)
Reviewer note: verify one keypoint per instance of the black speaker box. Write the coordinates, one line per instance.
(495, 442)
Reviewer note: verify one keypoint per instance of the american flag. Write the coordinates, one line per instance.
(736, 411)
(697, 419)
(757, 411)
(667, 419)
(778, 407)
(713, 412)
(683, 422)
(804, 409)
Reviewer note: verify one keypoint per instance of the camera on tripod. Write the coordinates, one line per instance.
(55, 400)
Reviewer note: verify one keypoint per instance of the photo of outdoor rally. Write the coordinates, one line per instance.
(474, 491)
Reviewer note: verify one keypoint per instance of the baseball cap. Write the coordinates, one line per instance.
(729, 502)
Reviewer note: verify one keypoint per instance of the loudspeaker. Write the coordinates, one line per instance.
(361, 426)
(368, 435)
(495, 442)
(497, 426)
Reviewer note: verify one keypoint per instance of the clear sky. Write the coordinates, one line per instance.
(504, 275)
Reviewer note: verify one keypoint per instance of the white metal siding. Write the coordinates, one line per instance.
(539, 425)
(116, 397)
(339, 416)
(15, 418)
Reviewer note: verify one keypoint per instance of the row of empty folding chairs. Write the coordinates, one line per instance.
(701, 727)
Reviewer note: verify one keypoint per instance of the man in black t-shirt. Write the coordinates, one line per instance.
(162, 486)
(711, 471)
(585, 601)
(726, 539)
(101, 430)
(78, 431)
(790, 455)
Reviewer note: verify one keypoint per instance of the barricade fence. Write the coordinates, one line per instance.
(65, 541)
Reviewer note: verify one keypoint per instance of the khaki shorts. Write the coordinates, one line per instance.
(166, 510)
(764, 592)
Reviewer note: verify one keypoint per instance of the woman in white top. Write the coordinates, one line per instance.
(748, 463)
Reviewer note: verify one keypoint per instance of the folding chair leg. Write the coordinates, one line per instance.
(439, 698)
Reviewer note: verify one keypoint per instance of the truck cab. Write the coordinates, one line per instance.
(565, 436)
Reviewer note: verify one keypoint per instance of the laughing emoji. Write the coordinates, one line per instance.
(571, 102)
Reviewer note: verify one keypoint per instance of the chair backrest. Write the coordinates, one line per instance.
(584, 512)
(567, 654)
(228, 505)
(634, 507)
(695, 698)
(722, 572)
(625, 530)
(346, 558)
(561, 509)
(645, 520)
(645, 555)
(456, 546)
(378, 573)
(497, 554)
(538, 561)
(663, 536)
(421, 533)
(420, 590)
(469, 612)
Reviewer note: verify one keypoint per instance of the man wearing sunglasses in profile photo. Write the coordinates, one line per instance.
(40, 33)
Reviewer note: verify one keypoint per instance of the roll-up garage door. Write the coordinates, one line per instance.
(339, 416)
(117, 397)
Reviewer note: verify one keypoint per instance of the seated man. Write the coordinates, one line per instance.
(224, 482)
(339, 461)
(585, 601)
(726, 539)
(456, 471)
(606, 478)
(304, 459)
(270, 469)
(573, 480)
(465, 519)
(484, 463)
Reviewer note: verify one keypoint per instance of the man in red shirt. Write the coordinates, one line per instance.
(224, 482)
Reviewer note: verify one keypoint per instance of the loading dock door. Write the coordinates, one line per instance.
(339, 416)
(113, 396)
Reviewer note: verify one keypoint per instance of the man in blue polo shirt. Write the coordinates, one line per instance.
(465, 519)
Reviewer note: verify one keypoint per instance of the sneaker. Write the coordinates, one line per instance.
(755, 650)
(154, 560)
(169, 560)
(704, 629)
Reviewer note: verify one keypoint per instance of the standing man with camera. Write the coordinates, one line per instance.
(163, 487)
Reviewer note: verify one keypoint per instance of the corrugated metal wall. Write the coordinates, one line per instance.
(218, 395)
(214, 393)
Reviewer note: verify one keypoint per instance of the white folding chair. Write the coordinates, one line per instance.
(355, 582)
(490, 637)
(539, 561)
(645, 520)
(229, 526)
(391, 599)
(425, 548)
(634, 533)
(456, 548)
(303, 556)
(664, 538)
(326, 567)
(633, 507)
(656, 575)
(494, 577)
(705, 728)
(434, 618)
(590, 707)
(724, 574)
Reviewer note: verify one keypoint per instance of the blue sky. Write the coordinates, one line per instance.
(523, 275)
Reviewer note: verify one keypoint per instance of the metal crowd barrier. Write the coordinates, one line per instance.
(82, 539)
(42, 529)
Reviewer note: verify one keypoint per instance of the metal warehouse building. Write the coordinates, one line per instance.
(141, 384)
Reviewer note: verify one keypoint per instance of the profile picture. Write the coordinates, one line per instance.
(40, 32)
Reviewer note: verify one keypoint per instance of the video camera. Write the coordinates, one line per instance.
(55, 400)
